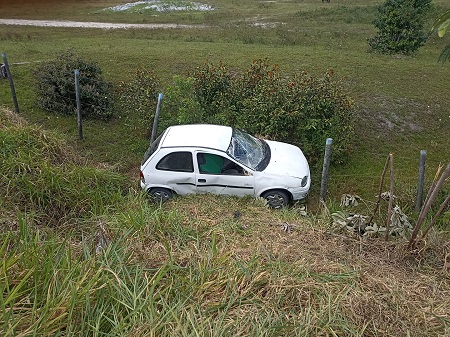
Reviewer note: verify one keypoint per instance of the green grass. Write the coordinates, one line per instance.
(192, 267)
(40, 176)
(402, 102)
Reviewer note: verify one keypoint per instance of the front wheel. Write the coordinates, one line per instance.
(276, 199)
(159, 194)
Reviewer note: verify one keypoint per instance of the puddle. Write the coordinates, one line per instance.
(160, 6)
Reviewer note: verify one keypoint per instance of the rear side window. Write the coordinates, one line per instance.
(176, 161)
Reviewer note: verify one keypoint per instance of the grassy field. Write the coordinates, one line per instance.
(84, 256)
(402, 102)
(92, 257)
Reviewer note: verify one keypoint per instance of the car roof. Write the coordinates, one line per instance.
(198, 135)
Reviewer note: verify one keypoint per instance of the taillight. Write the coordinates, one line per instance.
(142, 176)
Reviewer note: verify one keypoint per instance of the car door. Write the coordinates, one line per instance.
(217, 174)
(175, 170)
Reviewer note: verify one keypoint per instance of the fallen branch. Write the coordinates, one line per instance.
(429, 202)
(391, 195)
(379, 192)
(438, 213)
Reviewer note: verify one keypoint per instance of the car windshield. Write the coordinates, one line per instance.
(249, 151)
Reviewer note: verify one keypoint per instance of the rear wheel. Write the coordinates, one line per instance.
(159, 194)
(276, 198)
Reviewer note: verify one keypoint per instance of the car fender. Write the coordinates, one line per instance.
(148, 187)
(267, 182)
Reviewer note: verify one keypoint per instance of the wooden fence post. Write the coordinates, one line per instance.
(77, 93)
(11, 83)
(423, 158)
(326, 165)
(155, 121)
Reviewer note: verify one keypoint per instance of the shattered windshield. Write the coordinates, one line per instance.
(249, 151)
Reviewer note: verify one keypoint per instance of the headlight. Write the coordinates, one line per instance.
(304, 181)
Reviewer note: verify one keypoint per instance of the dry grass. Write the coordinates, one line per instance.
(376, 286)
(211, 266)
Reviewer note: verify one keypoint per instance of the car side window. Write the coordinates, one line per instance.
(176, 161)
(209, 163)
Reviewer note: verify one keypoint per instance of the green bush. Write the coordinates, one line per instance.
(301, 109)
(138, 98)
(180, 105)
(211, 88)
(56, 87)
(400, 26)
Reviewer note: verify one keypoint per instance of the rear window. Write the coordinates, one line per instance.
(152, 148)
(176, 161)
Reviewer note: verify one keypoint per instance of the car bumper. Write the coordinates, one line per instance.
(299, 193)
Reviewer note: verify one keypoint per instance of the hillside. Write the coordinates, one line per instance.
(201, 265)
(85, 253)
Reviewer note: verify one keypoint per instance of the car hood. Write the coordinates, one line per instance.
(287, 160)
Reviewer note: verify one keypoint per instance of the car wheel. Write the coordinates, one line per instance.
(276, 199)
(159, 194)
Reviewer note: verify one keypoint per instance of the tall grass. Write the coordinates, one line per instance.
(52, 286)
(40, 174)
(145, 281)
(114, 264)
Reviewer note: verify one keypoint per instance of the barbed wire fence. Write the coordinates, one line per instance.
(7, 74)
(328, 176)
(26, 81)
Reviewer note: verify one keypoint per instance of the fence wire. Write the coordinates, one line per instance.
(22, 73)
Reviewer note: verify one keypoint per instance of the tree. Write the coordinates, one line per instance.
(400, 26)
(441, 25)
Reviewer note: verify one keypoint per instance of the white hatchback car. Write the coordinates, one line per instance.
(203, 158)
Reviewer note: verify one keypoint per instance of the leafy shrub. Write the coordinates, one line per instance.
(139, 97)
(442, 25)
(400, 26)
(211, 86)
(180, 105)
(56, 87)
(302, 110)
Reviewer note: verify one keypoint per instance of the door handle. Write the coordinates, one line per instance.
(202, 180)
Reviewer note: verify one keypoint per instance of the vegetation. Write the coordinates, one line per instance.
(298, 109)
(135, 99)
(201, 265)
(39, 176)
(205, 265)
(400, 25)
(56, 87)
(441, 25)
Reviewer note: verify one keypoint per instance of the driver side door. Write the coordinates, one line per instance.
(218, 174)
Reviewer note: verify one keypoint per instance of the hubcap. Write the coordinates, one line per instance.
(161, 196)
(275, 200)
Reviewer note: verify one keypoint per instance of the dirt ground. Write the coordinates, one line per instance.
(101, 25)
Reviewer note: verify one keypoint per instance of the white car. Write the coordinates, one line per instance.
(203, 158)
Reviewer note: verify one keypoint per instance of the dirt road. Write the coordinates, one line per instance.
(101, 25)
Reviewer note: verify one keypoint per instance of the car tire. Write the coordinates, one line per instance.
(159, 194)
(276, 199)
